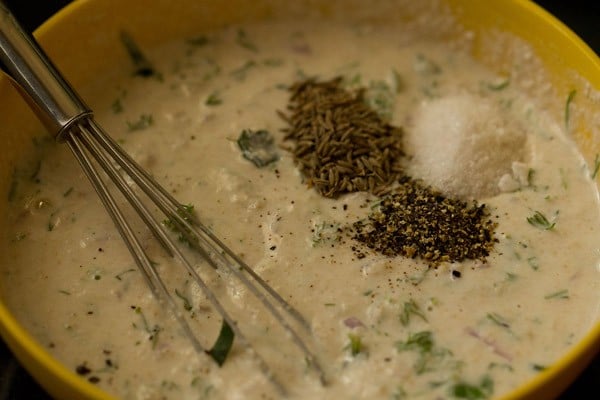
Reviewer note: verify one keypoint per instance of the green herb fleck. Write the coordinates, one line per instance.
(325, 233)
(145, 121)
(240, 72)
(119, 276)
(68, 192)
(423, 344)
(381, 98)
(19, 236)
(34, 177)
(199, 41)
(411, 308)
(498, 320)
(426, 66)
(594, 173)
(538, 367)
(53, 222)
(142, 67)
(570, 98)
(497, 86)
(117, 106)
(258, 147)
(12, 190)
(483, 390)
(533, 263)
(356, 345)
(222, 345)
(187, 305)
(186, 211)
(540, 221)
(399, 394)
(561, 294)
(511, 277)
(153, 331)
(243, 40)
(214, 99)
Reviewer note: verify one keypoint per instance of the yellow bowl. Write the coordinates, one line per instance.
(80, 39)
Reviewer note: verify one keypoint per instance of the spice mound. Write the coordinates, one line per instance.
(341, 145)
(418, 221)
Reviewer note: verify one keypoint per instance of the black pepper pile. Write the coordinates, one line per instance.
(341, 145)
(418, 221)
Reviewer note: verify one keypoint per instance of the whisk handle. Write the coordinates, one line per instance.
(52, 98)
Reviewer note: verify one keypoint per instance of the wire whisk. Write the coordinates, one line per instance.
(66, 116)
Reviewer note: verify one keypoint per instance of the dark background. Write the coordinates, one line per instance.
(582, 16)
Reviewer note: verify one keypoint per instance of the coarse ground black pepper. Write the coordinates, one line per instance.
(341, 145)
(418, 221)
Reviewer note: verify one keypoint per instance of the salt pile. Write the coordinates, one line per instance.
(464, 144)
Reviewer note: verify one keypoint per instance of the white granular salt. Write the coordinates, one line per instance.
(464, 144)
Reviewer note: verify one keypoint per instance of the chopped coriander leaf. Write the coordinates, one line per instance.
(483, 390)
(381, 97)
(142, 66)
(594, 173)
(355, 346)
(117, 106)
(243, 40)
(34, 177)
(397, 82)
(570, 98)
(426, 66)
(145, 121)
(187, 213)
(430, 356)
(533, 263)
(258, 147)
(540, 221)
(498, 320)
(199, 41)
(12, 190)
(499, 85)
(213, 99)
(422, 341)
(409, 309)
(68, 192)
(153, 331)
(561, 294)
(119, 276)
(240, 72)
(223, 344)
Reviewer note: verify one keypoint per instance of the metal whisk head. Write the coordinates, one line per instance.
(65, 114)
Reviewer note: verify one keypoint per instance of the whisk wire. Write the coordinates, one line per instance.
(203, 240)
(91, 137)
(145, 265)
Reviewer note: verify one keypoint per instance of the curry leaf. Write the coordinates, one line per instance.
(223, 344)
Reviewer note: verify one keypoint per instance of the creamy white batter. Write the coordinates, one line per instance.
(491, 329)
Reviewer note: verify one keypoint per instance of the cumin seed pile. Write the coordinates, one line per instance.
(341, 144)
(418, 221)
